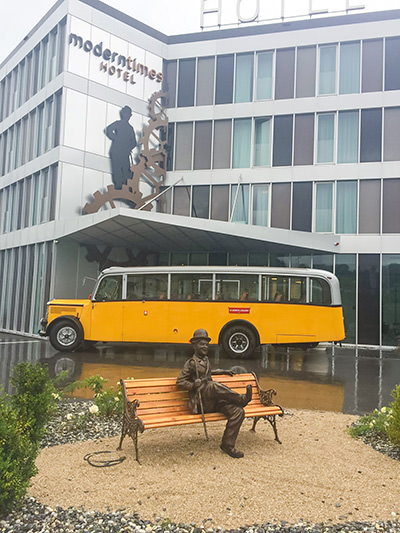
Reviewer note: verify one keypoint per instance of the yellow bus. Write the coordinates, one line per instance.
(240, 307)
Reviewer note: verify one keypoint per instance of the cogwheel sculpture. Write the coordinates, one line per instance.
(151, 167)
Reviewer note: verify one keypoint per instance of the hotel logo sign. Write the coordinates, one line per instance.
(114, 63)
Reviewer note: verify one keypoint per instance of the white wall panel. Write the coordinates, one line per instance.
(75, 125)
(70, 187)
(78, 59)
(95, 73)
(95, 125)
(136, 89)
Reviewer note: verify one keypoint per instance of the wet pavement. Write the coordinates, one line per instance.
(332, 378)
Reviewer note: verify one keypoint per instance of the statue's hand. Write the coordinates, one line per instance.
(197, 383)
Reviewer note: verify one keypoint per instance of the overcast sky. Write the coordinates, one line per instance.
(169, 16)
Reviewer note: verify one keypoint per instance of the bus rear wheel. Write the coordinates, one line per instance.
(239, 342)
(66, 336)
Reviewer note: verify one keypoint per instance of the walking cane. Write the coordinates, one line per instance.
(201, 404)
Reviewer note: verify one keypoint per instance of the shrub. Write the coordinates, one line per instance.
(34, 399)
(371, 425)
(17, 457)
(393, 428)
(108, 401)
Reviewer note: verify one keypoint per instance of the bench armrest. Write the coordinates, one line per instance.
(266, 395)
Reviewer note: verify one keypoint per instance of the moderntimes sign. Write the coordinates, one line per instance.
(114, 63)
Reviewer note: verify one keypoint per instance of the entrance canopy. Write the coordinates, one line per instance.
(159, 232)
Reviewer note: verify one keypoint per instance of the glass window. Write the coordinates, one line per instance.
(323, 261)
(275, 289)
(261, 205)
(348, 137)
(187, 69)
(390, 208)
(236, 287)
(244, 77)
(224, 80)
(320, 292)
(240, 204)
(170, 68)
(191, 286)
(302, 206)
(262, 145)
(372, 63)
(327, 69)
(284, 81)
(170, 146)
(202, 145)
(220, 202)
(370, 206)
(164, 201)
(391, 143)
(326, 132)
(368, 298)
(392, 71)
(110, 288)
(371, 135)
(280, 205)
(300, 261)
(390, 299)
(304, 139)
(345, 270)
(183, 150)
(264, 75)
(349, 76)
(297, 290)
(222, 144)
(305, 71)
(179, 258)
(200, 201)
(346, 207)
(182, 201)
(237, 259)
(147, 287)
(205, 81)
(241, 143)
(283, 133)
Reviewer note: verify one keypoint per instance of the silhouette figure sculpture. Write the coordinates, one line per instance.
(123, 142)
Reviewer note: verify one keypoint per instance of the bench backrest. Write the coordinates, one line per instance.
(161, 395)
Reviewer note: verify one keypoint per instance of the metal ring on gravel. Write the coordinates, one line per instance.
(101, 464)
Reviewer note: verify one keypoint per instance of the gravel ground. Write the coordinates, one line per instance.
(321, 480)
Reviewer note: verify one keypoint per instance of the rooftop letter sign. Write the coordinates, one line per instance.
(223, 12)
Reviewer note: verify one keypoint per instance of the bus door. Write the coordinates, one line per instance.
(145, 308)
(107, 310)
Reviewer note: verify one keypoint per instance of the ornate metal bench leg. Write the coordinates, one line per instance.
(123, 434)
(272, 420)
(255, 420)
(131, 424)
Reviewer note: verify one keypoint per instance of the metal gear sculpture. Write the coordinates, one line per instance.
(151, 167)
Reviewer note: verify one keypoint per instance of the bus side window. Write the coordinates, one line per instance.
(298, 290)
(110, 288)
(320, 292)
(278, 289)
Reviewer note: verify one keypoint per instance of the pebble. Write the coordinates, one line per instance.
(34, 517)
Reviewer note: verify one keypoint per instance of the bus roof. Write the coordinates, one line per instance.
(284, 271)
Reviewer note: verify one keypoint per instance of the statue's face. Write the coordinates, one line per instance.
(201, 348)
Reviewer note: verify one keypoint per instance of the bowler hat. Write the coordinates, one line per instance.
(198, 335)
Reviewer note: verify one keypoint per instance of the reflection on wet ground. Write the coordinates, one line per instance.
(327, 377)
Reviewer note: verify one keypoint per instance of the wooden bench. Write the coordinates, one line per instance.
(157, 403)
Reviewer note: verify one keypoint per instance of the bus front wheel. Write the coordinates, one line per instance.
(239, 342)
(66, 336)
